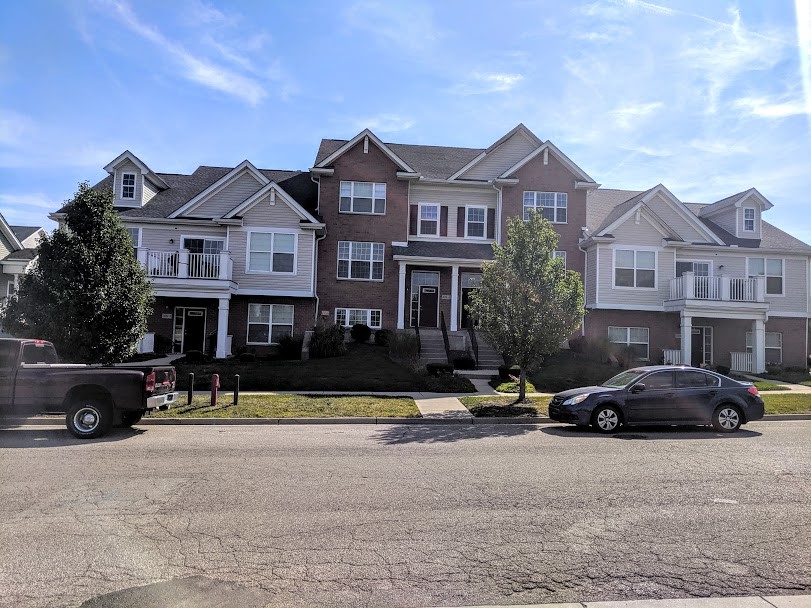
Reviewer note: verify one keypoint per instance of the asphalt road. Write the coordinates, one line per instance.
(401, 515)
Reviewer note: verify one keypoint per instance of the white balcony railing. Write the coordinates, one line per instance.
(185, 265)
(742, 362)
(722, 288)
(672, 356)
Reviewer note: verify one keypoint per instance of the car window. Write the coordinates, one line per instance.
(693, 379)
(39, 353)
(658, 380)
(8, 355)
(623, 379)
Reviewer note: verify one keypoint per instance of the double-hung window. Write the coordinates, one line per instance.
(748, 219)
(128, 185)
(772, 269)
(476, 222)
(429, 220)
(560, 255)
(135, 236)
(552, 205)
(774, 346)
(272, 252)
(635, 339)
(268, 323)
(360, 260)
(634, 268)
(363, 197)
(347, 317)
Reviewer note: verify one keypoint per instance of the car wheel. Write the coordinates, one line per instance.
(727, 418)
(606, 419)
(88, 418)
(130, 418)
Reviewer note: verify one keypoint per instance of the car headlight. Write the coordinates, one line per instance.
(576, 400)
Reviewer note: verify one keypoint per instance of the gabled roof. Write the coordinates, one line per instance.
(276, 192)
(735, 201)
(9, 233)
(568, 162)
(244, 167)
(331, 158)
(519, 128)
(127, 155)
(21, 255)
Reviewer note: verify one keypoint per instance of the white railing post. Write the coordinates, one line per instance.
(142, 255)
(689, 285)
(401, 296)
(760, 288)
(183, 265)
(222, 328)
(224, 259)
(454, 298)
(686, 338)
(725, 287)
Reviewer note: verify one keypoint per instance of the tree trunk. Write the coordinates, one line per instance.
(522, 386)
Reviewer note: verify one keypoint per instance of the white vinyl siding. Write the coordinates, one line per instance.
(506, 155)
(150, 190)
(637, 339)
(347, 317)
(159, 238)
(455, 198)
(367, 198)
(591, 275)
(268, 323)
(676, 221)
(234, 193)
(127, 168)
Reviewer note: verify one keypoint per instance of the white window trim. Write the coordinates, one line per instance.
(134, 186)
(559, 253)
(536, 206)
(352, 198)
(753, 220)
(693, 261)
(351, 278)
(202, 237)
(780, 348)
(9, 288)
(628, 338)
(438, 219)
(467, 222)
(272, 245)
(269, 323)
(137, 243)
(368, 311)
(766, 288)
(635, 250)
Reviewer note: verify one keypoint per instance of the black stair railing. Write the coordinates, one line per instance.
(474, 343)
(445, 336)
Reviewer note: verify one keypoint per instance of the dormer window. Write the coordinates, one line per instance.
(748, 219)
(128, 185)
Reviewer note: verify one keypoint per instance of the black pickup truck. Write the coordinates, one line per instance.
(93, 398)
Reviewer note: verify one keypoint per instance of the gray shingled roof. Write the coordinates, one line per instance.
(602, 201)
(439, 162)
(23, 255)
(474, 251)
(23, 232)
(724, 202)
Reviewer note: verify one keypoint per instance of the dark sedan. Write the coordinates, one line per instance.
(661, 394)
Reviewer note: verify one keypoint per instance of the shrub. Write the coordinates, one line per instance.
(163, 345)
(194, 356)
(290, 346)
(447, 384)
(247, 357)
(594, 349)
(403, 345)
(360, 332)
(578, 344)
(464, 362)
(722, 369)
(382, 337)
(511, 386)
(439, 369)
(505, 371)
(327, 341)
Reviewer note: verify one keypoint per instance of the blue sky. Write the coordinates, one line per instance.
(708, 98)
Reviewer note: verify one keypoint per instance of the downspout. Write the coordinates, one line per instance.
(585, 278)
(317, 181)
(499, 199)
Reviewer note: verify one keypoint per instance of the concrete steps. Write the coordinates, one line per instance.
(432, 346)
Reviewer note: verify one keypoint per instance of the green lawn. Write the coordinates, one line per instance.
(767, 385)
(365, 367)
(787, 403)
(566, 369)
(295, 406)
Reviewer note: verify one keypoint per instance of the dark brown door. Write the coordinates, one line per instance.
(429, 306)
(697, 348)
(194, 329)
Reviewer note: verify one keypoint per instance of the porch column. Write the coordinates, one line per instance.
(455, 298)
(725, 287)
(401, 297)
(222, 329)
(758, 346)
(183, 265)
(760, 288)
(686, 339)
(689, 284)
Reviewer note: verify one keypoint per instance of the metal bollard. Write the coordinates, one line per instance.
(236, 390)
(191, 389)
(215, 385)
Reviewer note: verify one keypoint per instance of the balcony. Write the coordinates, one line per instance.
(197, 274)
(691, 293)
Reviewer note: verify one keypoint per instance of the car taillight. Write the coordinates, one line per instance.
(150, 382)
(752, 390)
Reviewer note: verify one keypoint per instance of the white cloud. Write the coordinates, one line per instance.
(481, 83)
(34, 200)
(408, 26)
(647, 7)
(768, 107)
(384, 123)
(628, 117)
(717, 146)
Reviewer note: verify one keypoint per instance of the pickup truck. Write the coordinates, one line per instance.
(93, 398)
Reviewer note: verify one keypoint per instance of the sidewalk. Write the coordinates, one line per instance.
(769, 601)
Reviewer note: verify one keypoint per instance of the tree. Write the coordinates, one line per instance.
(87, 293)
(528, 303)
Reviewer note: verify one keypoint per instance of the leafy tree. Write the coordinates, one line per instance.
(528, 303)
(87, 294)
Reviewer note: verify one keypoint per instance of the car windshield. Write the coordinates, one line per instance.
(624, 379)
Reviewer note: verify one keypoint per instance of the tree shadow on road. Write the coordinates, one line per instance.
(650, 433)
(52, 438)
(449, 433)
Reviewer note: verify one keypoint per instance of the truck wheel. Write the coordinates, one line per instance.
(87, 418)
(130, 418)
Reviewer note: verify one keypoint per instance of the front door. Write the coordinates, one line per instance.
(697, 347)
(429, 306)
(194, 329)
(466, 318)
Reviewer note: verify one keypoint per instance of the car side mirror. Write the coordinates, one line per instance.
(637, 388)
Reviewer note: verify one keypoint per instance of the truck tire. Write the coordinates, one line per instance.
(89, 417)
(131, 417)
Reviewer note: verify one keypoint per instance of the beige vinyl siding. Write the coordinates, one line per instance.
(224, 200)
(672, 219)
(264, 217)
(725, 220)
(591, 276)
(453, 198)
(502, 158)
(749, 235)
(156, 238)
(665, 270)
(5, 246)
(128, 167)
(643, 234)
(150, 190)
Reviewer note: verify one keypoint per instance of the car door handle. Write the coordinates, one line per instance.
(712, 393)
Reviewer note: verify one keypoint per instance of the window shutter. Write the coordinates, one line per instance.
(412, 220)
(443, 220)
(460, 222)
(491, 223)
